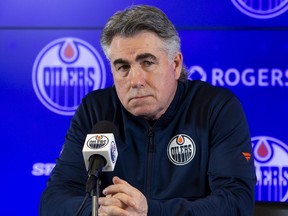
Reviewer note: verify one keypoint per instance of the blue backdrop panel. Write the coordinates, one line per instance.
(90, 13)
(251, 64)
(257, 68)
(221, 45)
(32, 134)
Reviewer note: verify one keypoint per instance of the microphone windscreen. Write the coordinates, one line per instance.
(102, 141)
(104, 127)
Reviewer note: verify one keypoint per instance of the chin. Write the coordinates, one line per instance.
(141, 113)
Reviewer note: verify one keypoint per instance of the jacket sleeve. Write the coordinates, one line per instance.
(65, 189)
(231, 172)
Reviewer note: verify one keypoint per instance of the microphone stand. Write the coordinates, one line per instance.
(95, 194)
(96, 164)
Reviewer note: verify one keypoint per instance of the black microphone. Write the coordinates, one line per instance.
(99, 151)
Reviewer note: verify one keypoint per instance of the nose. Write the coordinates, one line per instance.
(137, 78)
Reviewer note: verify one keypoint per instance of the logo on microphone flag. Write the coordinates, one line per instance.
(101, 144)
(98, 141)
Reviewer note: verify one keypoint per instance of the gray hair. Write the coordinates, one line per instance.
(139, 18)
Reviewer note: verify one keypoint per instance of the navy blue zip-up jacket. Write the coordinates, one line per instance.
(213, 175)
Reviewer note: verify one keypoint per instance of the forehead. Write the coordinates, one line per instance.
(143, 42)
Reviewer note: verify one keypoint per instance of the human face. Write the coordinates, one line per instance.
(144, 77)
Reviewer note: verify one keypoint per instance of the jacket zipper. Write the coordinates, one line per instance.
(149, 160)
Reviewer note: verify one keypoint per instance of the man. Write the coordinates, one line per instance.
(185, 147)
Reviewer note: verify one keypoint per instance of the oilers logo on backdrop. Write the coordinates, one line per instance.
(261, 9)
(64, 72)
(181, 149)
(271, 163)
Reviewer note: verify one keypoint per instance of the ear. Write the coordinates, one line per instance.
(177, 64)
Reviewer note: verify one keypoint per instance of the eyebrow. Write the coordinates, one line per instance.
(120, 61)
(145, 56)
(138, 58)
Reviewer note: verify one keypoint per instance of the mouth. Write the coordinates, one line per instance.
(139, 98)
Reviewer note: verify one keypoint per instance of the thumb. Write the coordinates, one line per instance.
(117, 180)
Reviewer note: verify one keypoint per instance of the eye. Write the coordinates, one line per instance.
(123, 69)
(147, 63)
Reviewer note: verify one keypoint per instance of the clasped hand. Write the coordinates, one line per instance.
(122, 199)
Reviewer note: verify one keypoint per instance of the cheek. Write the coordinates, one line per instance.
(121, 83)
(118, 82)
(122, 91)
(165, 81)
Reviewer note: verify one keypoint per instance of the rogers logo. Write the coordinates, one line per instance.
(271, 163)
(64, 72)
(261, 77)
(197, 73)
(261, 9)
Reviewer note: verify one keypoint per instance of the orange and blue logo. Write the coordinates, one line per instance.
(64, 72)
(271, 163)
(181, 149)
(98, 142)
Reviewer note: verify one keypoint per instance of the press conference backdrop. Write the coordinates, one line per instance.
(51, 58)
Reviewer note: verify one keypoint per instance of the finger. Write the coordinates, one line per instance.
(125, 199)
(120, 186)
(117, 180)
(111, 211)
(111, 201)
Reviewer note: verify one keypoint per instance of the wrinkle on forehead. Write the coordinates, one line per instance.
(144, 42)
(138, 58)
